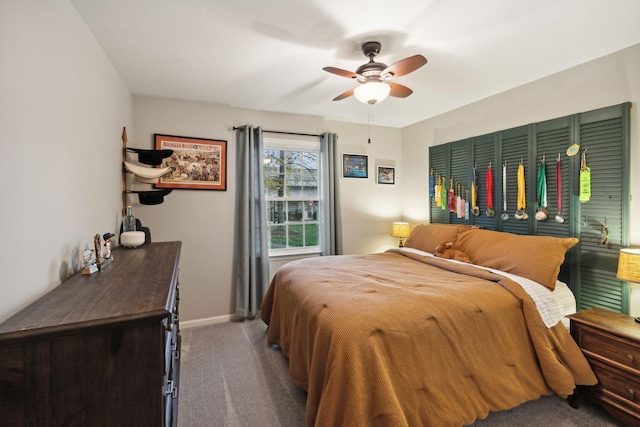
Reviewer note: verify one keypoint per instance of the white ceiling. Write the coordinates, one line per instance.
(269, 54)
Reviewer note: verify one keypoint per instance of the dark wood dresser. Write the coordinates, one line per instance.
(98, 350)
(611, 343)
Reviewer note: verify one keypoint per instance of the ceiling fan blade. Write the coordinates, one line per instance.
(402, 67)
(341, 72)
(399, 91)
(344, 95)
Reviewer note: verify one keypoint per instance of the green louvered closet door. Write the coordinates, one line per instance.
(460, 172)
(590, 267)
(515, 151)
(484, 158)
(551, 139)
(604, 135)
(440, 169)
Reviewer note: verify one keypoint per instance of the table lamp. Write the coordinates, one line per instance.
(629, 266)
(401, 230)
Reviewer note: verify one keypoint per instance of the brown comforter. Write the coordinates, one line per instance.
(399, 339)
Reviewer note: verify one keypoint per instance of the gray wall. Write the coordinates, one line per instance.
(62, 110)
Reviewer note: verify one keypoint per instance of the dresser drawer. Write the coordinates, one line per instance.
(614, 383)
(610, 347)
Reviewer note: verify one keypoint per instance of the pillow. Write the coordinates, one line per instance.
(535, 257)
(426, 237)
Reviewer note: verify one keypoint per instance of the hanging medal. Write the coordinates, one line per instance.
(559, 218)
(542, 212)
(444, 196)
(522, 200)
(474, 195)
(438, 192)
(466, 207)
(505, 215)
(461, 203)
(455, 200)
(585, 179)
(489, 187)
(432, 184)
(451, 197)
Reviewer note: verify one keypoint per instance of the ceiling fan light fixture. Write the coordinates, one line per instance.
(372, 92)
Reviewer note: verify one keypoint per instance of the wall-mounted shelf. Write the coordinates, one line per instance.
(148, 175)
(151, 157)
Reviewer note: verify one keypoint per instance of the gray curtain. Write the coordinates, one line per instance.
(251, 248)
(330, 164)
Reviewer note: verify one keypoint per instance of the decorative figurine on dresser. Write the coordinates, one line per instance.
(106, 253)
(98, 350)
(89, 260)
(102, 260)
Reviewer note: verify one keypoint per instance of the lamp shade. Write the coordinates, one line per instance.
(629, 265)
(372, 92)
(400, 229)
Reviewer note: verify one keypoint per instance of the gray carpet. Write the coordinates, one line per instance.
(231, 377)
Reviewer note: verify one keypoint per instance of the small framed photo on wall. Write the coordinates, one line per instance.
(386, 175)
(355, 166)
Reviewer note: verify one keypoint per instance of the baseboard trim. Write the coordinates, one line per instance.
(204, 322)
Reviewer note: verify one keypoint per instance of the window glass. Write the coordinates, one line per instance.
(291, 182)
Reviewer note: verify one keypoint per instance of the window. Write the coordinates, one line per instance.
(292, 193)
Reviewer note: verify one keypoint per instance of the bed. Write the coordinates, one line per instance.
(404, 338)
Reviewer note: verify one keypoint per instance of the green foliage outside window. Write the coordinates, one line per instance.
(291, 190)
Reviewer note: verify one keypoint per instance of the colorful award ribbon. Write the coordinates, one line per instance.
(474, 195)
(542, 212)
(559, 218)
(522, 200)
(432, 184)
(451, 197)
(444, 194)
(466, 207)
(505, 214)
(585, 179)
(489, 187)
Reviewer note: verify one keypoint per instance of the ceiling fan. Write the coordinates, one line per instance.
(373, 76)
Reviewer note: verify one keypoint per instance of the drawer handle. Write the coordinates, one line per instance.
(171, 389)
(170, 327)
(630, 357)
(631, 392)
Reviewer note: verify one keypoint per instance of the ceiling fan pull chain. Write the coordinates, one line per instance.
(369, 113)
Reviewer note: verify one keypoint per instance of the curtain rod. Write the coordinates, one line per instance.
(286, 133)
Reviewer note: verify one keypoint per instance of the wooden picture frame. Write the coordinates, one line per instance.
(386, 175)
(198, 163)
(355, 166)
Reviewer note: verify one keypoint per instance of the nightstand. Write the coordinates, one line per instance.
(611, 343)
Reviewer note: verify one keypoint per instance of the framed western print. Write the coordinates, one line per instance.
(197, 163)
